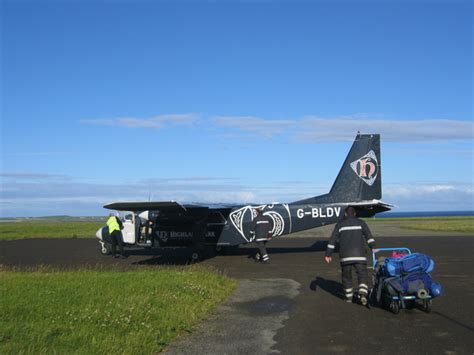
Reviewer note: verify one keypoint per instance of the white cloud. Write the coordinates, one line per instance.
(36, 154)
(309, 128)
(437, 188)
(314, 128)
(156, 122)
(33, 176)
(38, 195)
(259, 126)
(430, 197)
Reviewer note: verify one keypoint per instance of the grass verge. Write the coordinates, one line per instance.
(437, 224)
(48, 229)
(87, 229)
(104, 312)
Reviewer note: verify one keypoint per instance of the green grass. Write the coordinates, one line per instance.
(438, 224)
(72, 227)
(48, 229)
(104, 312)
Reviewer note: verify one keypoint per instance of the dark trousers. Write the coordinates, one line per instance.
(262, 251)
(116, 238)
(362, 278)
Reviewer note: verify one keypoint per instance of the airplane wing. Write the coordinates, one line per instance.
(171, 208)
(163, 206)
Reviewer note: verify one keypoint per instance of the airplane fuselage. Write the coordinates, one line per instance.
(287, 219)
(169, 223)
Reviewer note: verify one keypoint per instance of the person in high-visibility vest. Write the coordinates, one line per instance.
(115, 231)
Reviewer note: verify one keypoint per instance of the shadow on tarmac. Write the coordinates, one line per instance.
(452, 320)
(182, 256)
(330, 286)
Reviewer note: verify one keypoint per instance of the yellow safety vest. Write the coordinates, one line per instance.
(113, 224)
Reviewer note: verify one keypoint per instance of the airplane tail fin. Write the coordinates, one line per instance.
(360, 177)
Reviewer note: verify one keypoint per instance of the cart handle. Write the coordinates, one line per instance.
(387, 249)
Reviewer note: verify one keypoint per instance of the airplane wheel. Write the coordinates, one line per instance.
(194, 257)
(105, 249)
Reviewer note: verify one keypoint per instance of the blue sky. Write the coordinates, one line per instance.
(231, 101)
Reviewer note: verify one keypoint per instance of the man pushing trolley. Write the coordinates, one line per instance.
(353, 235)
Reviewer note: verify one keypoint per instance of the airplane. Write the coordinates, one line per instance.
(163, 224)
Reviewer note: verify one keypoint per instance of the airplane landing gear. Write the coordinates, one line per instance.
(195, 257)
(105, 248)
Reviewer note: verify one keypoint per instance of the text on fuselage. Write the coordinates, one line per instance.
(319, 212)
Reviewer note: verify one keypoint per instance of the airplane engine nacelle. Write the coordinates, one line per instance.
(144, 215)
(102, 233)
(148, 215)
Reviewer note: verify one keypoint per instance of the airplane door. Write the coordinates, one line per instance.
(129, 231)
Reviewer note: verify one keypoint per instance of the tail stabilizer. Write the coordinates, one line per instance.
(360, 177)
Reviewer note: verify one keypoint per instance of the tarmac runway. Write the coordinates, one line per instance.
(294, 305)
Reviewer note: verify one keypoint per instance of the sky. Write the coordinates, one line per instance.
(231, 101)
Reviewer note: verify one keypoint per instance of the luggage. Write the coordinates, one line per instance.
(409, 284)
(399, 281)
(407, 264)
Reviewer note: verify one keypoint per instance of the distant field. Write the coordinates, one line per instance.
(104, 312)
(71, 228)
(49, 229)
(437, 224)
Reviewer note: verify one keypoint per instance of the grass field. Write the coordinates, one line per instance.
(437, 224)
(104, 312)
(70, 228)
(49, 229)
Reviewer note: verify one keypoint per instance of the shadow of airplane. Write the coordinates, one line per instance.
(182, 256)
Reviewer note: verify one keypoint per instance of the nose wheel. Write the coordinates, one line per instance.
(105, 248)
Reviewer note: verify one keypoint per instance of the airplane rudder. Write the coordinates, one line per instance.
(360, 175)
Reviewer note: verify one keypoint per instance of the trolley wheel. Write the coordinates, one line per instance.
(373, 298)
(427, 306)
(395, 307)
(105, 248)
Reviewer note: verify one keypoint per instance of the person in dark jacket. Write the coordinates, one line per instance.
(353, 235)
(262, 228)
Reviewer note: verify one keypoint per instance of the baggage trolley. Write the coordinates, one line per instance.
(386, 300)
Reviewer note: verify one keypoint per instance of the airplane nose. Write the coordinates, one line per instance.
(98, 234)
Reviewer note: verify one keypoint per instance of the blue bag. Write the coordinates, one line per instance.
(416, 281)
(408, 264)
(409, 284)
(436, 289)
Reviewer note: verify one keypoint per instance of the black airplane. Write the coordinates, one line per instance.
(171, 224)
